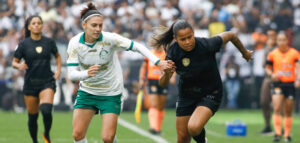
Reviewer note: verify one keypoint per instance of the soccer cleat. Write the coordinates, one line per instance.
(154, 132)
(266, 131)
(288, 139)
(46, 139)
(276, 138)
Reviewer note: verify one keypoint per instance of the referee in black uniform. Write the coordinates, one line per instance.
(200, 85)
(39, 85)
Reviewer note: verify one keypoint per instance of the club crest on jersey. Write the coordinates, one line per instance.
(186, 62)
(103, 54)
(39, 49)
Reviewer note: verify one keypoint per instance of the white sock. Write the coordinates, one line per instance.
(81, 141)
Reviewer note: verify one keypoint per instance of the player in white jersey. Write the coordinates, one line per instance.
(92, 59)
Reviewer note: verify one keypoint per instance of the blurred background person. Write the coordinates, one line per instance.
(33, 54)
(149, 76)
(282, 63)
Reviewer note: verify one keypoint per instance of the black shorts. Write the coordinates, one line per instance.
(285, 88)
(154, 88)
(186, 104)
(30, 89)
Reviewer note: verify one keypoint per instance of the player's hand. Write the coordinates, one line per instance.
(92, 71)
(23, 66)
(166, 65)
(248, 55)
(297, 83)
(141, 83)
(274, 77)
(57, 75)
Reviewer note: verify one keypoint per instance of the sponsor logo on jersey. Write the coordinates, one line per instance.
(94, 50)
(39, 49)
(186, 62)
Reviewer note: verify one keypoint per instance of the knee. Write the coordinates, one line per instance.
(194, 130)
(288, 113)
(46, 108)
(183, 139)
(108, 138)
(277, 109)
(77, 136)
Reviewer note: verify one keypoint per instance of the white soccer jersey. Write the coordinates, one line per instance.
(109, 79)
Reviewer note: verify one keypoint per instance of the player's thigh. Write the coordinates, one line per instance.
(181, 126)
(199, 118)
(288, 107)
(46, 96)
(153, 100)
(162, 101)
(109, 124)
(81, 120)
(32, 104)
(277, 100)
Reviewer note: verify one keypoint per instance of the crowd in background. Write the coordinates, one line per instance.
(135, 19)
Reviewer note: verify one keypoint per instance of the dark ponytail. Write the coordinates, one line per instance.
(27, 22)
(163, 36)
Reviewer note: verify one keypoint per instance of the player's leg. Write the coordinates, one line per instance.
(288, 118)
(32, 105)
(109, 127)
(161, 113)
(277, 100)
(197, 122)
(46, 104)
(153, 112)
(81, 120)
(265, 102)
(183, 135)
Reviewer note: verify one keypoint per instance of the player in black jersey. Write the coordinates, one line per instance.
(33, 55)
(200, 85)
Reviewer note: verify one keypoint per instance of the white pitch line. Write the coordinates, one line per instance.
(214, 133)
(141, 131)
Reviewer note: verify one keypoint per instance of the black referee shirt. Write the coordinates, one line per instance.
(197, 69)
(37, 55)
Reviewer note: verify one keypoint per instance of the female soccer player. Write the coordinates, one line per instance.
(92, 59)
(157, 94)
(281, 65)
(39, 85)
(200, 85)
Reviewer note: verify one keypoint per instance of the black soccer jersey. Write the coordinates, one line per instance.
(37, 56)
(197, 69)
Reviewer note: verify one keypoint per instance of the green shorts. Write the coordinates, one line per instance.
(104, 104)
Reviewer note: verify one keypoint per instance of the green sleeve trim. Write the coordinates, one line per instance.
(156, 63)
(73, 64)
(131, 45)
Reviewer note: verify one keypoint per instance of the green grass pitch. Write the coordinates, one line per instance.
(13, 128)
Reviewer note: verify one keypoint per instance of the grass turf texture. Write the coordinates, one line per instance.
(13, 128)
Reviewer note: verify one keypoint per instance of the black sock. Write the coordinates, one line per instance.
(46, 110)
(201, 137)
(32, 126)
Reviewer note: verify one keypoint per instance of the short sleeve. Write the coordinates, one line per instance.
(19, 51)
(146, 59)
(213, 44)
(72, 57)
(53, 47)
(270, 58)
(122, 43)
(297, 56)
